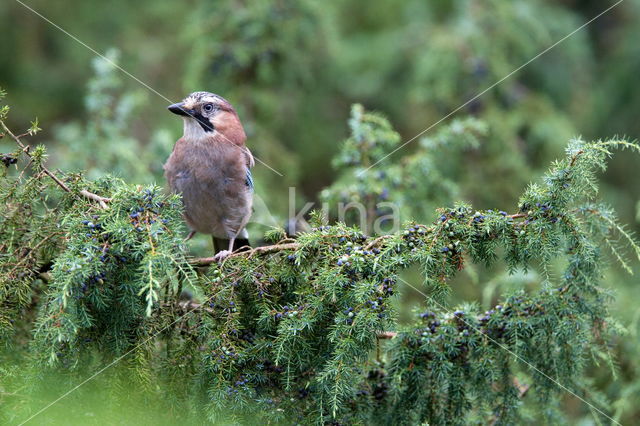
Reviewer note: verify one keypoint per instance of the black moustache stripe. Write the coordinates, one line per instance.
(204, 123)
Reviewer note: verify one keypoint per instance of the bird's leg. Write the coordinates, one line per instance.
(221, 255)
(190, 236)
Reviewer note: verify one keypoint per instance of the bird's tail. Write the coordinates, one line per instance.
(220, 244)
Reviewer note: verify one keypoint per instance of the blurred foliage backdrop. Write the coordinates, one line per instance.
(293, 68)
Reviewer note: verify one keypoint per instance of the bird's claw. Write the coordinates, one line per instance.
(220, 256)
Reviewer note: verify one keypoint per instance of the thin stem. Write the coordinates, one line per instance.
(204, 261)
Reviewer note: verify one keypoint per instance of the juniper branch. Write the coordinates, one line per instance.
(242, 252)
(102, 201)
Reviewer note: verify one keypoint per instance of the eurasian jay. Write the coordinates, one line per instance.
(210, 167)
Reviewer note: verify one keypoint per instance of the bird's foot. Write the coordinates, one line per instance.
(190, 236)
(221, 255)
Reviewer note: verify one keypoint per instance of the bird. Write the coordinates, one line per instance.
(210, 166)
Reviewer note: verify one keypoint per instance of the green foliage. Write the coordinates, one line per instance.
(410, 187)
(117, 264)
(102, 143)
(290, 332)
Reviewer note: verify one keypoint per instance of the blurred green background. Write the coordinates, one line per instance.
(292, 68)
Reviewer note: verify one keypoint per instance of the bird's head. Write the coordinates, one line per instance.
(207, 114)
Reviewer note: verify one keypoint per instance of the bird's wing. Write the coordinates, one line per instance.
(249, 179)
(249, 157)
(250, 163)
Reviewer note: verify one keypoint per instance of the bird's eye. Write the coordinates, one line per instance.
(208, 107)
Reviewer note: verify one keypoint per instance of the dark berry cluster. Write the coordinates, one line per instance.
(96, 232)
(539, 210)
(545, 210)
(148, 212)
(93, 229)
(225, 353)
(427, 315)
(136, 219)
(413, 236)
(242, 380)
(448, 249)
(519, 306)
(478, 217)
(362, 393)
(379, 387)
(387, 286)
(453, 247)
(350, 313)
(247, 336)
(491, 323)
(8, 159)
(303, 393)
(458, 213)
(432, 323)
(231, 390)
(268, 366)
(226, 307)
(377, 305)
(90, 281)
(270, 372)
(290, 312)
(349, 240)
(461, 322)
(148, 199)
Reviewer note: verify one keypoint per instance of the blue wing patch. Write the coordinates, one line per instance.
(249, 181)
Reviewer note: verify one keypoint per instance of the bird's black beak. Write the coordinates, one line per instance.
(179, 109)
